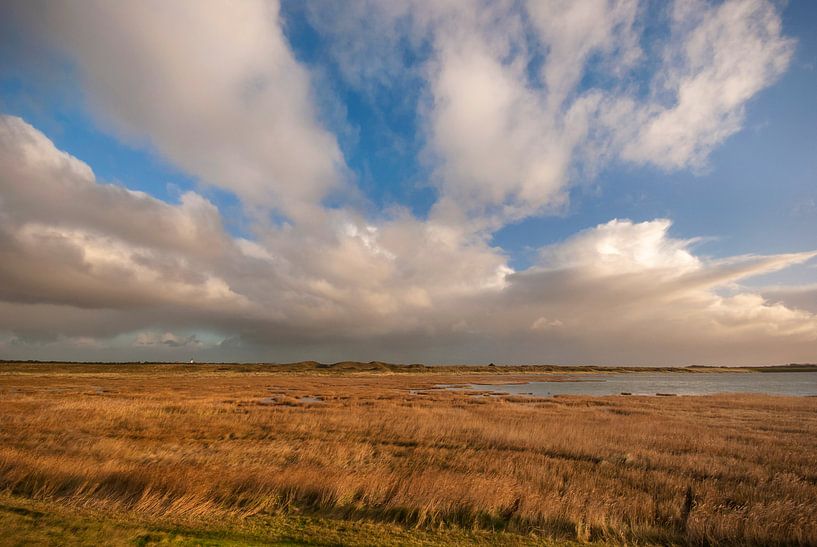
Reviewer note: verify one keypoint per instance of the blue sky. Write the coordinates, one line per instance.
(758, 192)
(387, 102)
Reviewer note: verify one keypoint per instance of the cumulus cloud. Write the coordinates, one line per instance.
(521, 100)
(67, 239)
(619, 291)
(517, 100)
(112, 247)
(216, 91)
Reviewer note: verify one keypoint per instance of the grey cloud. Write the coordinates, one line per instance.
(167, 339)
(799, 296)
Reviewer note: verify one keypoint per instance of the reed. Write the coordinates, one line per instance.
(202, 444)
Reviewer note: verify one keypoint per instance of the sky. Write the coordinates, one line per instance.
(542, 181)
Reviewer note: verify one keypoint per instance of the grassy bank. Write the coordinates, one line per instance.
(224, 454)
(28, 522)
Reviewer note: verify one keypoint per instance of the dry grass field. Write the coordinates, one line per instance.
(232, 455)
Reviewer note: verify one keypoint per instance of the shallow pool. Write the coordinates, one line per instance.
(655, 383)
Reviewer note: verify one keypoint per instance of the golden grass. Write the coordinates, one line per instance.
(199, 445)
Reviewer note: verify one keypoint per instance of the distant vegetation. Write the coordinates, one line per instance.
(252, 453)
(314, 367)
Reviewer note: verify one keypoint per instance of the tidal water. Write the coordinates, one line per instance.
(670, 383)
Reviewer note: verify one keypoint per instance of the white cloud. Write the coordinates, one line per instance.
(721, 56)
(574, 30)
(619, 291)
(215, 90)
(621, 247)
(70, 240)
(492, 137)
(543, 323)
(510, 122)
(84, 265)
(111, 247)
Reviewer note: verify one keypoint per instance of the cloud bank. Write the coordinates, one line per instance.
(517, 103)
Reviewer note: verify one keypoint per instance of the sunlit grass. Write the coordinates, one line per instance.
(195, 447)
